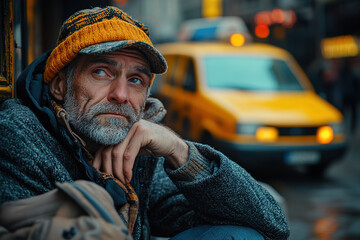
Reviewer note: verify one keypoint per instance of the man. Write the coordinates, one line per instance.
(84, 113)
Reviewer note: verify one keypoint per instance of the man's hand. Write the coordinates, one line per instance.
(143, 138)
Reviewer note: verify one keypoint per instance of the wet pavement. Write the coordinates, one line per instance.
(327, 208)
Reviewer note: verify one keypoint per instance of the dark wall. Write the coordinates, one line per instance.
(53, 13)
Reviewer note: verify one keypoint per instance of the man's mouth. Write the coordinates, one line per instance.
(112, 114)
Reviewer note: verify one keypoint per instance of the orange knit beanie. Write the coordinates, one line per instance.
(99, 31)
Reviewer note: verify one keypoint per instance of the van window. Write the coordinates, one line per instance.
(249, 73)
(171, 61)
(167, 77)
(189, 81)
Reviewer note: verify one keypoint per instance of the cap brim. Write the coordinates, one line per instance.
(156, 60)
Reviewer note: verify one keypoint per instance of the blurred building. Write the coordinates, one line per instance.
(162, 16)
(314, 19)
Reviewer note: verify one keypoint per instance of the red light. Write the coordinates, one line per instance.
(277, 15)
(121, 2)
(290, 19)
(263, 17)
(262, 31)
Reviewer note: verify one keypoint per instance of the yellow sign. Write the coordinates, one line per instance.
(211, 8)
(338, 47)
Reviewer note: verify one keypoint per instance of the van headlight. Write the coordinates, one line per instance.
(267, 134)
(261, 133)
(325, 134)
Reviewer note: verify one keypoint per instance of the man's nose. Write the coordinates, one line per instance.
(118, 91)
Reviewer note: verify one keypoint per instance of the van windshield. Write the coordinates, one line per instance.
(249, 73)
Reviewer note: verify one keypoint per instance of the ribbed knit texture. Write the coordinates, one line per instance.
(87, 17)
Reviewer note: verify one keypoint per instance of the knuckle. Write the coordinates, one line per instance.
(140, 127)
(115, 154)
(127, 155)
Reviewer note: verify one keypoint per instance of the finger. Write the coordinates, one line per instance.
(126, 170)
(96, 162)
(117, 162)
(138, 140)
(106, 164)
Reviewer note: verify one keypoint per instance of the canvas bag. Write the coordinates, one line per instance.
(78, 210)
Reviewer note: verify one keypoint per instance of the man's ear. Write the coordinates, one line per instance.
(58, 86)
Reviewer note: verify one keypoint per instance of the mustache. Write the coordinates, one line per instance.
(122, 109)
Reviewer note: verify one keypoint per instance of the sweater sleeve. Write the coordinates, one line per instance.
(211, 189)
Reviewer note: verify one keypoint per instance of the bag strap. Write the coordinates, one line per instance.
(130, 210)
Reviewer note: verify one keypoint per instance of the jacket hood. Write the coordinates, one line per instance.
(35, 94)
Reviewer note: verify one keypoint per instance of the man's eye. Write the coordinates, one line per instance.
(136, 80)
(100, 72)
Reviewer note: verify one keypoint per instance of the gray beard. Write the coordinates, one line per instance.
(110, 131)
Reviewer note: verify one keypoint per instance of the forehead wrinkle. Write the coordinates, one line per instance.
(103, 60)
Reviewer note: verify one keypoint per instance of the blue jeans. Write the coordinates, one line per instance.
(219, 232)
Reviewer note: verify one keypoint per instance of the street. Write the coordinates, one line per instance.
(327, 208)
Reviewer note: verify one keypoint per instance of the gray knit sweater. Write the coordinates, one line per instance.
(209, 189)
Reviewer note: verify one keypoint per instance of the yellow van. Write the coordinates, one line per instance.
(252, 102)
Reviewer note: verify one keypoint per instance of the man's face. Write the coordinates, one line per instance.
(107, 95)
